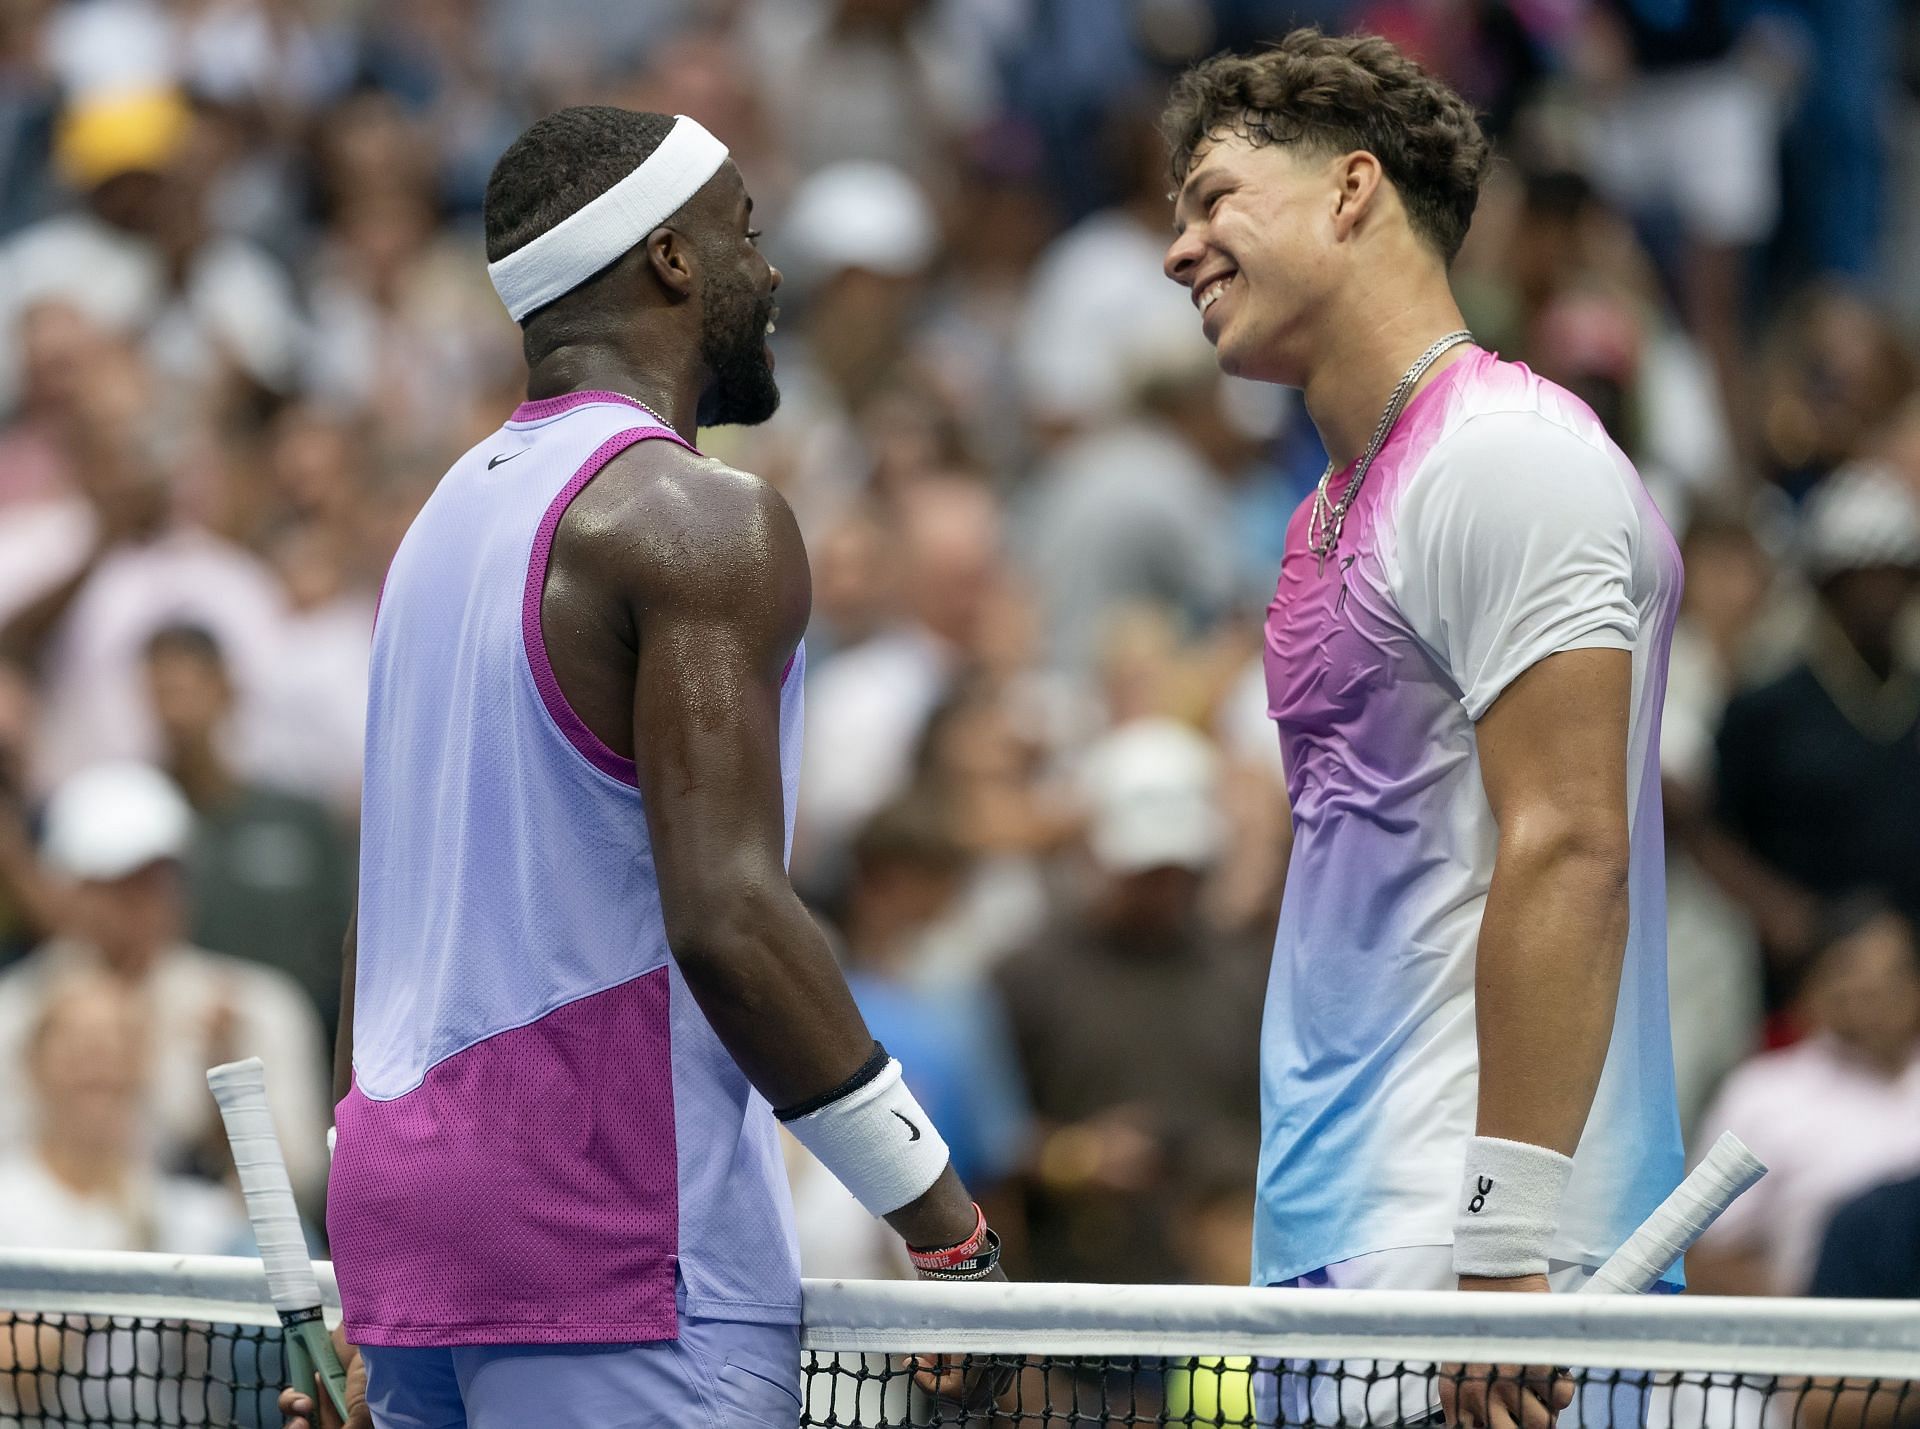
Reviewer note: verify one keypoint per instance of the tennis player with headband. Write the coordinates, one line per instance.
(580, 983)
(1466, 1074)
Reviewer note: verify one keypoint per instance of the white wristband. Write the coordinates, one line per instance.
(877, 1141)
(1509, 1208)
(333, 1135)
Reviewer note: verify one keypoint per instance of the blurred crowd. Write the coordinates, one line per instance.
(245, 325)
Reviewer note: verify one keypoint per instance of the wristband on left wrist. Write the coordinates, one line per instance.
(946, 1257)
(977, 1266)
(1509, 1208)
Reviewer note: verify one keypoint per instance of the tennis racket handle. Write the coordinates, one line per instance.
(1727, 1170)
(311, 1356)
(240, 1088)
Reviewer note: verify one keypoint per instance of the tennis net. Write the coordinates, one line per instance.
(105, 1341)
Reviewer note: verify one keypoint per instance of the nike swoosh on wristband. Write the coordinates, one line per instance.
(910, 1126)
(508, 457)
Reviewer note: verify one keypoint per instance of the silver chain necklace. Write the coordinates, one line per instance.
(1326, 518)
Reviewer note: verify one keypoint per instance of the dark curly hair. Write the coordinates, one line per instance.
(1333, 94)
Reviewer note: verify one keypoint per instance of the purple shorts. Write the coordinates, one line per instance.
(720, 1374)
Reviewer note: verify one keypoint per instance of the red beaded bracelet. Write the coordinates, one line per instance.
(953, 1255)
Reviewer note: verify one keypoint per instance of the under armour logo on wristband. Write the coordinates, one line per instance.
(1479, 1202)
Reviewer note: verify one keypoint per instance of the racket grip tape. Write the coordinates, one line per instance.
(240, 1090)
(1726, 1171)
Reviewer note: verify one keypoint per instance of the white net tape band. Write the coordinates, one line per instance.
(1784, 1337)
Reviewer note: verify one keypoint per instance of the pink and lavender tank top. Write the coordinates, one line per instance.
(545, 1142)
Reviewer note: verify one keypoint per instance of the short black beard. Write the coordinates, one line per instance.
(733, 343)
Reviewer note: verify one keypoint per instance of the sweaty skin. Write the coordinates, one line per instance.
(677, 593)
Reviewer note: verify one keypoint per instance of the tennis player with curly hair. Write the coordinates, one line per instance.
(1466, 1075)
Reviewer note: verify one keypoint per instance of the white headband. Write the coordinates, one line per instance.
(583, 243)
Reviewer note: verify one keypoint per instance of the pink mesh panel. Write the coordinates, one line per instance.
(526, 1192)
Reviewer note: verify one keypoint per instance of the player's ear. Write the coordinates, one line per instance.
(1357, 178)
(670, 257)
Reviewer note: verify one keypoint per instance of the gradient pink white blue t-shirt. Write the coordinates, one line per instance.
(545, 1142)
(1499, 525)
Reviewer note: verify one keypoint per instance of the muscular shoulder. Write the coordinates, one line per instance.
(663, 524)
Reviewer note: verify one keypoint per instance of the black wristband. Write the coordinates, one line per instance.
(977, 1267)
(869, 1069)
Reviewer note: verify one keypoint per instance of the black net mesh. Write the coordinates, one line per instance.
(111, 1372)
(850, 1391)
(99, 1372)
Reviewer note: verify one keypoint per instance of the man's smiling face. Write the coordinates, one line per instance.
(1254, 245)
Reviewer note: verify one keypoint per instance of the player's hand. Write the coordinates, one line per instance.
(1484, 1396)
(300, 1405)
(951, 1378)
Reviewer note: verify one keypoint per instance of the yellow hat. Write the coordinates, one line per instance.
(100, 139)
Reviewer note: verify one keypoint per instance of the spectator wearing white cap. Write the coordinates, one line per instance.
(1136, 1026)
(1819, 770)
(118, 832)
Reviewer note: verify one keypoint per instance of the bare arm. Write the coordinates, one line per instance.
(1553, 755)
(722, 601)
(1553, 758)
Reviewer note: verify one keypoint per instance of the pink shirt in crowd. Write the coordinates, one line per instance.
(1829, 1127)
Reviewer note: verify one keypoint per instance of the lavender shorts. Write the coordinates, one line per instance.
(720, 1374)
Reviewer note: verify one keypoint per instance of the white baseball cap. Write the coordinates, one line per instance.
(1152, 791)
(114, 819)
(1860, 517)
(861, 214)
